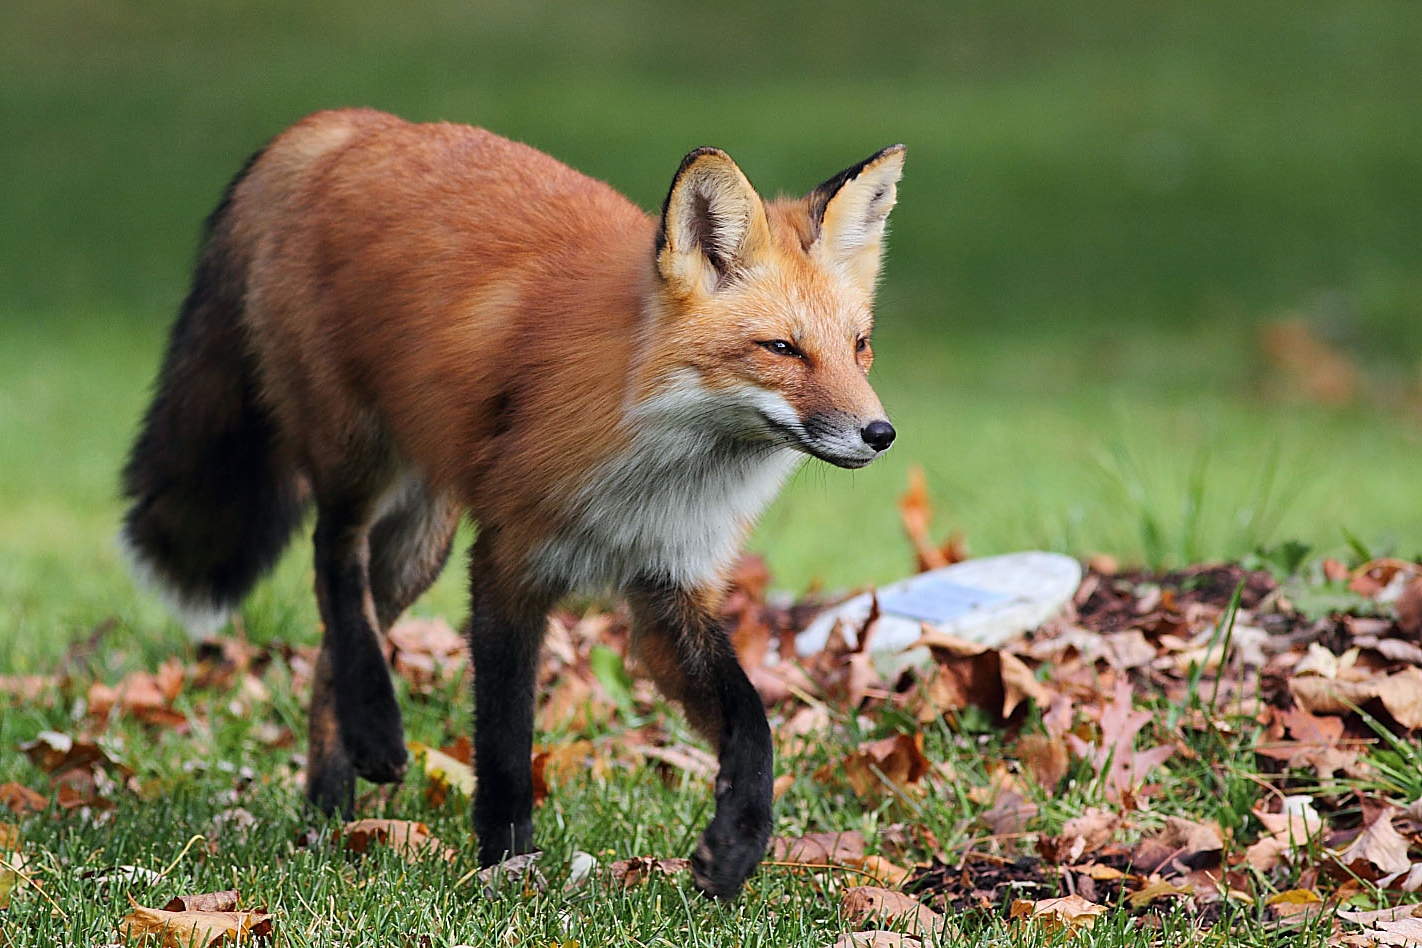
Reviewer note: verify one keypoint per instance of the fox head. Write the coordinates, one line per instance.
(766, 309)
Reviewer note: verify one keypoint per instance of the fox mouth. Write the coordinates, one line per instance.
(795, 436)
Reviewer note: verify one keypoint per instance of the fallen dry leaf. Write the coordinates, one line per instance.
(1180, 846)
(1295, 902)
(1400, 925)
(876, 939)
(1287, 833)
(147, 696)
(224, 901)
(443, 771)
(27, 689)
(1081, 836)
(1045, 757)
(1071, 912)
(819, 849)
(1156, 889)
(1123, 768)
(968, 673)
(835, 850)
(56, 753)
(891, 764)
(185, 929)
(684, 759)
(1305, 365)
(12, 863)
(19, 799)
(1400, 694)
(1379, 850)
(560, 763)
(638, 869)
(1317, 743)
(410, 839)
(1009, 814)
(863, 903)
(916, 512)
(516, 872)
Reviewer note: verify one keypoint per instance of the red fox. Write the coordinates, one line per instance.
(409, 323)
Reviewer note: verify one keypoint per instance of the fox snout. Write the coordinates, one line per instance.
(844, 441)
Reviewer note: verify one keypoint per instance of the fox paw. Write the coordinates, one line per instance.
(374, 738)
(330, 785)
(723, 861)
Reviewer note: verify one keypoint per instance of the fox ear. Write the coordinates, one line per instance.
(713, 222)
(849, 212)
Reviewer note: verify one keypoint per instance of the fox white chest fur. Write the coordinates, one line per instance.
(674, 505)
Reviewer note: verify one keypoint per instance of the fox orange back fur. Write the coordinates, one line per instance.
(412, 323)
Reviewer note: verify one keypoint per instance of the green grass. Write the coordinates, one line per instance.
(175, 825)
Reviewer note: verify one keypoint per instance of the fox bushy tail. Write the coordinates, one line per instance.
(214, 497)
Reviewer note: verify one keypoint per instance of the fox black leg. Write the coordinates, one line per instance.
(330, 778)
(504, 644)
(366, 711)
(683, 644)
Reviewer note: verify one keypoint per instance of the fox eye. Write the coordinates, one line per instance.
(861, 344)
(781, 347)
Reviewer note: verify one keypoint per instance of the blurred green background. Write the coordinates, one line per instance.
(1104, 202)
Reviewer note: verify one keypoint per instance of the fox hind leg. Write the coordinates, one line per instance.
(353, 686)
(409, 546)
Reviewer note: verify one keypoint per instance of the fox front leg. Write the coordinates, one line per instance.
(683, 644)
(504, 644)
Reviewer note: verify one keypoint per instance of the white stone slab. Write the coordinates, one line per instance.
(988, 600)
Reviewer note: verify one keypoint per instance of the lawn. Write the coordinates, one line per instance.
(1104, 207)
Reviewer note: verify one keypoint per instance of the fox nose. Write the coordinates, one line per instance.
(878, 435)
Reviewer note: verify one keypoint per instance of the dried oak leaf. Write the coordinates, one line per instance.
(1081, 836)
(427, 653)
(1122, 767)
(1293, 903)
(675, 759)
(556, 764)
(894, 763)
(1286, 833)
(1379, 850)
(1009, 814)
(186, 929)
(410, 839)
(147, 696)
(1399, 693)
(638, 869)
(19, 799)
(917, 512)
(224, 901)
(444, 773)
(816, 851)
(56, 753)
(876, 939)
(819, 849)
(26, 689)
(1400, 925)
(1182, 843)
(865, 903)
(1071, 912)
(969, 673)
(1045, 758)
(1316, 743)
